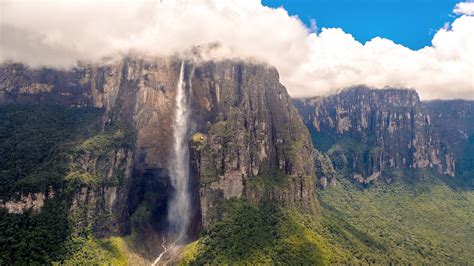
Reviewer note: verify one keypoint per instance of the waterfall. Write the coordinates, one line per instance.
(179, 205)
(178, 167)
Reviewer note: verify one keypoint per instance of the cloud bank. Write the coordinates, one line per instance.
(59, 33)
(464, 8)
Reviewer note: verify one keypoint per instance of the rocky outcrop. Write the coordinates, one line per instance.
(370, 132)
(102, 202)
(248, 129)
(26, 202)
(454, 122)
(324, 170)
(85, 85)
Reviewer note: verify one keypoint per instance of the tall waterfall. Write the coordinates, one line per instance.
(179, 205)
(178, 167)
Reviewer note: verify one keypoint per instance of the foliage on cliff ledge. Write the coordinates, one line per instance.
(258, 233)
(34, 141)
(47, 238)
(38, 144)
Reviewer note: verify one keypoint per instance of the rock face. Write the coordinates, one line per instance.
(103, 206)
(372, 133)
(81, 86)
(248, 130)
(30, 201)
(324, 170)
(245, 129)
(454, 121)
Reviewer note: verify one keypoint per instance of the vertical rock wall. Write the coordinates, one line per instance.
(370, 131)
(246, 129)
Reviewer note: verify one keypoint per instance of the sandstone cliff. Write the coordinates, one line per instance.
(246, 134)
(372, 133)
(454, 121)
(250, 140)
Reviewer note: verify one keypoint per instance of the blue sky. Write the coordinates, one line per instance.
(411, 23)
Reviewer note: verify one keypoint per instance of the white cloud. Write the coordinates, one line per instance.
(464, 8)
(443, 70)
(58, 33)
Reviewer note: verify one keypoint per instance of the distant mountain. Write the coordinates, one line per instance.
(454, 122)
(372, 134)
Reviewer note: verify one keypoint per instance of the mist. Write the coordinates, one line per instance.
(310, 62)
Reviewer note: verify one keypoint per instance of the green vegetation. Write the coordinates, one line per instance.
(257, 233)
(101, 146)
(264, 182)
(38, 144)
(43, 146)
(34, 238)
(103, 143)
(322, 140)
(92, 251)
(199, 141)
(34, 144)
(200, 145)
(349, 155)
(423, 221)
(222, 130)
(404, 222)
(47, 238)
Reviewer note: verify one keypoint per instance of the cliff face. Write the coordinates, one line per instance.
(371, 132)
(245, 131)
(249, 136)
(454, 121)
(57, 155)
(102, 205)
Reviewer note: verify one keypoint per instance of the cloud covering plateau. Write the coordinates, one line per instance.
(59, 33)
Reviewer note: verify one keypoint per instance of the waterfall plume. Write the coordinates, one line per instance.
(179, 204)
